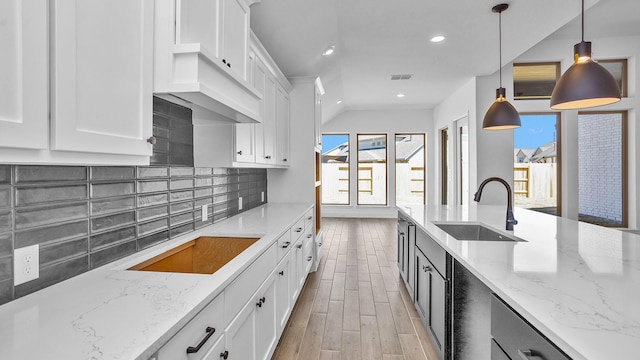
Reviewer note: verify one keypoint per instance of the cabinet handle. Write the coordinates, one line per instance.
(224, 61)
(310, 217)
(263, 299)
(299, 230)
(210, 331)
(526, 354)
(268, 157)
(152, 140)
(319, 244)
(224, 355)
(240, 152)
(426, 268)
(284, 159)
(309, 258)
(281, 273)
(259, 304)
(309, 236)
(229, 65)
(299, 246)
(286, 244)
(402, 233)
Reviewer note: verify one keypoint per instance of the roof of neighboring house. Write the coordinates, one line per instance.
(527, 153)
(405, 149)
(547, 150)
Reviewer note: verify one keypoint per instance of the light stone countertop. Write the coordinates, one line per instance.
(577, 283)
(111, 313)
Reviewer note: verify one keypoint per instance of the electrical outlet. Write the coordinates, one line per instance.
(203, 213)
(240, 203)
(26, 264)
(262, 196)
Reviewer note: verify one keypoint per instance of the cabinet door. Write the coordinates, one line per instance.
(198, 21)
(24, 95)
(437, 310)
(245, 143)
(268, 123)
(317, 119)
(235, 36)
(259, 77)
(282, 126)
(283, 291)
(101, 76)
(240, 336)
(422, 285)
(266, 320)
(411, 258)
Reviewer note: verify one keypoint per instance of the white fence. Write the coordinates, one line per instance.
(535, 185)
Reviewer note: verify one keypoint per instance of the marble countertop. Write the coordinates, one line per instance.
(111, 313)
(577, 283)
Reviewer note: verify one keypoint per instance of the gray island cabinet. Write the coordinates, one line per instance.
(540, 297)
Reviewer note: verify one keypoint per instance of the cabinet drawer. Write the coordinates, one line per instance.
(308, 219)
(517, 338)
(436, 254)
(195, 332)
(284, 244)
(297, 230)
(241, 289)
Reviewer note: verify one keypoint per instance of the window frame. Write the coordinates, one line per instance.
(541, 63)
(386, 188)
(424, 162)
(348, 135)
(625, 73)
(625, 164)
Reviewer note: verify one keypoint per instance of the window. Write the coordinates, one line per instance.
(444, 166)
(463, 161)
(536, 161)
(410, 169)
(372, 169)
(602, 168)
(617, 68)
(535, 80)
(335, 169)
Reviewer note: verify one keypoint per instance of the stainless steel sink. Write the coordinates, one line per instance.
(474, 232)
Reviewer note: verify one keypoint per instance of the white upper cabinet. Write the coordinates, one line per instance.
(77, 81)
(23, 70)
(102, 76)
(201, 55)
(282, 126)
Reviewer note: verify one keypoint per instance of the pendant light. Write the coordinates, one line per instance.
(585, 84)
(501, 115)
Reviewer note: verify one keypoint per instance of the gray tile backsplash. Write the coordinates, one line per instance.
(88, 216)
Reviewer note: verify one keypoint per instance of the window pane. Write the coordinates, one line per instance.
(534, 81)
(335, 169)
(410, 169)
(600, 168)
(617, 68)
(372, 169)
(535, 168)
(444, 166)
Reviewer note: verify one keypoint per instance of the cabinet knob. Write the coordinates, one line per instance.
(224, 61)
(152, 140)
(309, 236)
(268, 157)
(224, 355)
(299, 246)
(263, 299)
(298, 229)
(259, 304)
(426, 268)
(309, 258)
(284, 159)
(527, 354)
(310, 217)
(281, 273)
(240, 152)
(229, 65)
(286, 244)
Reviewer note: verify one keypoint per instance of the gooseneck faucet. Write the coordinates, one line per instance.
(510, 220)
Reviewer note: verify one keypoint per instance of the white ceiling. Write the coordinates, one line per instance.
(377, 38)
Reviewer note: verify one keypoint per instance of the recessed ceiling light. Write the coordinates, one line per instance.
(329, 50)
(437, 39)
(400, 95)
(339, 102)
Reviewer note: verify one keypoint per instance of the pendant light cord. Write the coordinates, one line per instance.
(500, 43)
(582, 20)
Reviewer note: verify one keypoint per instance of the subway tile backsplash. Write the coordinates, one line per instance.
(84, 217)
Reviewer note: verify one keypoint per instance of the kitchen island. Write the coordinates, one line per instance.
(114, 313)
(576, 283)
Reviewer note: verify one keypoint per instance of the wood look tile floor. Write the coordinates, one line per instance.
(355, 306)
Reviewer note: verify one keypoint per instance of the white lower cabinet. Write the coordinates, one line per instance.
(284, 291)
(253, 334)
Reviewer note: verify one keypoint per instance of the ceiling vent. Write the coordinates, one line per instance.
(401, 77)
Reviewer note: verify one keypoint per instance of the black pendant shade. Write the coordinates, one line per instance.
(586, 84)
(501, 115)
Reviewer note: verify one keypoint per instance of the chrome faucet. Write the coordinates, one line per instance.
(510, 220)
